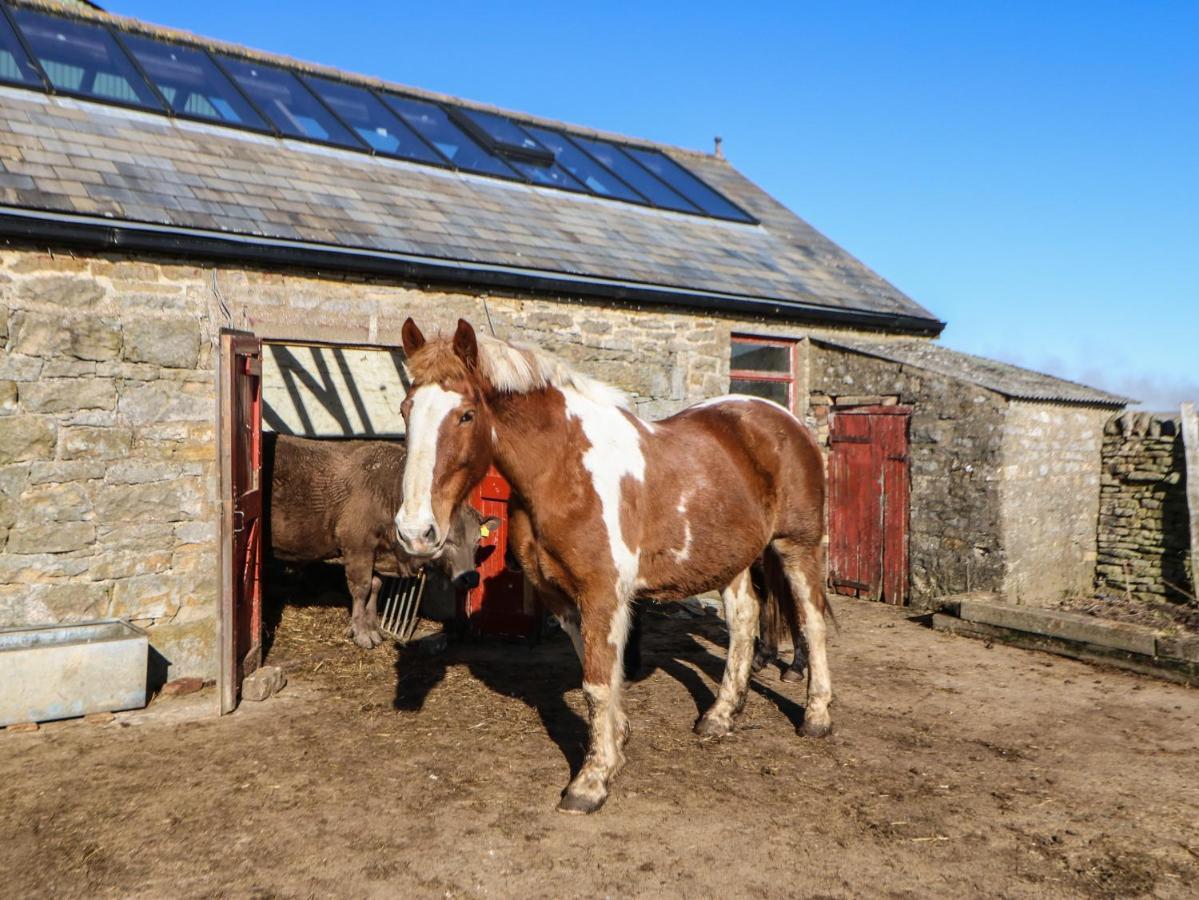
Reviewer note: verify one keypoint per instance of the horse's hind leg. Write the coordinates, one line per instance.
(804, 568)
(741, 615)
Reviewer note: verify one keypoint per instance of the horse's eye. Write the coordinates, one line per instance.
(466, 417)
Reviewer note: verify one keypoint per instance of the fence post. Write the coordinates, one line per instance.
(1190, 442)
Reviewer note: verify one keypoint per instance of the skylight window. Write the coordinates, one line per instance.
(432, 123)
(502, 134)
(374, 122)
(191, 82)
(687, 184)
(15, 67)
(292, 108)
(83, 59)
(586, 170)
(635, 175)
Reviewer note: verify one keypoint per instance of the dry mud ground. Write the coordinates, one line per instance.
(955, 770)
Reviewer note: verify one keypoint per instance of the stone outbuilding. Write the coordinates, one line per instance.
(198, 237)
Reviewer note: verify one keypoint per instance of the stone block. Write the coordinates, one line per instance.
(41, 604)
(164, 501)
(26, 437)
(152, 403)
(42, 472)
(263, 684)
(39, 567)
(61, 537)
(8, 397)
(61, 395)
(138, 471)
(54, 502)
(60, 290)
(144, 597)
(182, 686)
(110, 564)
(18, 367)
(95, 442)
(190, 648)
(166, 342)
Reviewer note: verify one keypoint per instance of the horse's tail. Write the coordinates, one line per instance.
(779, 607)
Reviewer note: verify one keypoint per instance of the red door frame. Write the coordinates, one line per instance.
(868, 528)
(502, 604)
(239, 437)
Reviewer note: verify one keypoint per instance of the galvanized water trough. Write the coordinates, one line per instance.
(61, 671)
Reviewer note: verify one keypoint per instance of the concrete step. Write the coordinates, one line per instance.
(1069, 626)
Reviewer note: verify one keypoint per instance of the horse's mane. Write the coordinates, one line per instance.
(511, 368)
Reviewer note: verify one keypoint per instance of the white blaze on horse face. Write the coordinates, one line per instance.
(430, 405)
(615, 453)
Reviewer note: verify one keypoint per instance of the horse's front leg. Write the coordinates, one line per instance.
(605, 627)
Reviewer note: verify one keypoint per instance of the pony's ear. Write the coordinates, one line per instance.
(465, 345)
(412, 338)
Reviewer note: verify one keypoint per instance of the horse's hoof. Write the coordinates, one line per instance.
(817, 728)
(793, 675)
(711, 727)
(580, 805)
(364, 640)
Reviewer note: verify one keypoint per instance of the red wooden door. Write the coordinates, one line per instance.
(241, 538)
(500, 604)
(868, 502)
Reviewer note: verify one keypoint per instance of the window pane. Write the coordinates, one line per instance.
(687, 184)
(83, 58)
(15, 67)
(771, 390)
(374, 122)
(759, 357)
(435, 126)
(631, 171)
(594, 177)
(553, 174)
(191, 82)
(501, 130)
(288, 103)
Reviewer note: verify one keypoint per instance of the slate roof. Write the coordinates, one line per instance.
(1004, 379)
(95, 165)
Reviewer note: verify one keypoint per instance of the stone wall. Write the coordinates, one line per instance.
(1050, 500)
(1144, 536)
(109, 489)
(956, 454)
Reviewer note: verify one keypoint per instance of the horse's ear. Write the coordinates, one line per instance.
(412, 338)
(465, 345)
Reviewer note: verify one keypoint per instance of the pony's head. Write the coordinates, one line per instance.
(449, 434)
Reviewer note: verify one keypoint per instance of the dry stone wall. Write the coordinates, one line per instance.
(1144, 536)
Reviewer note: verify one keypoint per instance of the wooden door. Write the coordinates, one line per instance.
(868, 502)
(500, 604)
(241, 493)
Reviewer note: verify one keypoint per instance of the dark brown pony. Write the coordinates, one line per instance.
(616, 508)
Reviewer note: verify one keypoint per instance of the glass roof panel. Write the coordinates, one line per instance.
(502, 131)
(635, 175)
(687, 184)
(374, 122)
(82, 58)
(287, 103)
(15, 67)
(191, 82)
(593, 176)
(552, 175)
(432, 123)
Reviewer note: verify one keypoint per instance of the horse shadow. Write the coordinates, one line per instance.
(540, 673)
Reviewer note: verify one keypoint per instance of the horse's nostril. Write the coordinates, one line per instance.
(431, 534)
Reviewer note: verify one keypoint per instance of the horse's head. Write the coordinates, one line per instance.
(449, 427)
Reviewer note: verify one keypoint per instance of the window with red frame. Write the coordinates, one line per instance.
(763, 367)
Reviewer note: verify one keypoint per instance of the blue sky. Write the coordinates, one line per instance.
(1027, 171)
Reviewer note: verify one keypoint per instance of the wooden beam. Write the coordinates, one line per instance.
(1190, 442)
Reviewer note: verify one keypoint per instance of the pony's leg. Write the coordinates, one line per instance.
(360, 571)
(741, 615)
(566, 613)
(766, 648)
(604, 631)
(804, 569)
(372, 606)
(799, 661)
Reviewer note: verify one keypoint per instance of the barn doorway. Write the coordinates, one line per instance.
(327, 393)
(868, 502)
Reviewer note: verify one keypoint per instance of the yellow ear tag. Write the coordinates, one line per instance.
(484, 530)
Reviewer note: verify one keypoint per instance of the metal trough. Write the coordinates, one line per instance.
(61, 671)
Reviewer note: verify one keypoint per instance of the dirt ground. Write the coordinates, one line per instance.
(956, 769)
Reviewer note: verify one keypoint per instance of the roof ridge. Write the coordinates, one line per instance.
(140, 26)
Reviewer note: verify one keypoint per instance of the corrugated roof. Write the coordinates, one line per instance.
(1002, 378)
(75, 157)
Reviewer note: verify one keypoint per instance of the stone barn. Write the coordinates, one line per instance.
(201, 241)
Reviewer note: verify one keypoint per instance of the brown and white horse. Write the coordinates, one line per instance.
(615, 508)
